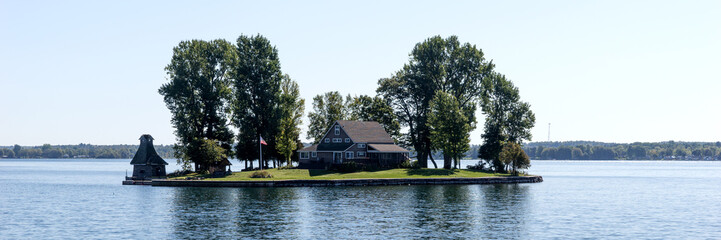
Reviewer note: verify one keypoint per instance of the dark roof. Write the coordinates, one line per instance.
(146, 154)
(365, 132)
(310, 148)
(333, 146)
(387, 148)
(223, 162)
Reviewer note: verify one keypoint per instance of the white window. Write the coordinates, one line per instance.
(337, 140)
(347, 140)
(304, 155)
(314, 154)
(327, 140)
(361, 145)
(337, 130)
(361, 154)
(348, 155)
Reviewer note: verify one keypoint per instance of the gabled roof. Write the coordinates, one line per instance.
(387, 148)
(146, 154)
(365, 132)
(333, 146)
(309, 148)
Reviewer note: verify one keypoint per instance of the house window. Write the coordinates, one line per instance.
(337, 130)
(337, 140)
(304, 155)
(348, 155)
(361, 145)
(327, 140)
(347, 140)
(361, 154)
(314, 154)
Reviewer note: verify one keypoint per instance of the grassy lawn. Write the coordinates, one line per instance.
(317, 174)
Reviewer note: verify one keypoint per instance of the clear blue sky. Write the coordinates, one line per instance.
(619, 71)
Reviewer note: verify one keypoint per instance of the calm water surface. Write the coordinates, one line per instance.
(62, 199)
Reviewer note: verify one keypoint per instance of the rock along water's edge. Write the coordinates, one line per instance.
(348, 182)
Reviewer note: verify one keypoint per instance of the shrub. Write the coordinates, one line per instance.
(410, 164)
(348, 167)
(261, 174)
(477, 166)
(178, 173)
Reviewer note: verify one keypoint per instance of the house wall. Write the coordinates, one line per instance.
(331, 134)
(148, 171)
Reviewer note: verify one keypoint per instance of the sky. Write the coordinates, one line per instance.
(614, 71)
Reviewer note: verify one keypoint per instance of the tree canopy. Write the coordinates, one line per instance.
(291, 112)
(197, 96)
(449, 128)
(213, 84)
(257, 79)
(327, 108)
(508, 119)
(436, 64)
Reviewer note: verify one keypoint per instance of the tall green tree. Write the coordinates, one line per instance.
(449, 127)
(508, 119)
(327, 109)
(291, 112)
(196, 96)
(435, 64)
(17, 148)
(256, 83)
(514, 157)
(366, 108)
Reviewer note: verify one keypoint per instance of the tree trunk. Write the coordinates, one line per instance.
(422, 158)
(447, 161)
(432, 160)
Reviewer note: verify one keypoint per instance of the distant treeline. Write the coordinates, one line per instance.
(586, 150)
(79, 151)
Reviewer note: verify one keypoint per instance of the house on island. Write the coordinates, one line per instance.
(147, 163)
(353, 141)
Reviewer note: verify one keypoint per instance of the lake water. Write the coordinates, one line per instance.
(70, 199)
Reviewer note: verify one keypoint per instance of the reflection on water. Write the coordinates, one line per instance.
(505, 210)
(452, 211)
(71, 199)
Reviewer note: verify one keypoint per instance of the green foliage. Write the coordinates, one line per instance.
(436, 64)
(82, 151)
(211, 152)
(261, 174)
(327, 109)
(583, 150)
(514, 157)
(410, 164)
(347, 167)
(257, 81)
(16, 149)
(508, 119)
(291, 112)
(366, 108)
(449, 127)
(319, 174)
(197, 96)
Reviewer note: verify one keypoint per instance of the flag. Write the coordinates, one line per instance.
(263, 141)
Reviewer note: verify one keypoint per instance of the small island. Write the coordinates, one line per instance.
(325, 178)
(225, 98)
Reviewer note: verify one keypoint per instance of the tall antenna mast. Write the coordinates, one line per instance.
(549, 132)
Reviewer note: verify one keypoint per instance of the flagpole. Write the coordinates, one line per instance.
(260, 147)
